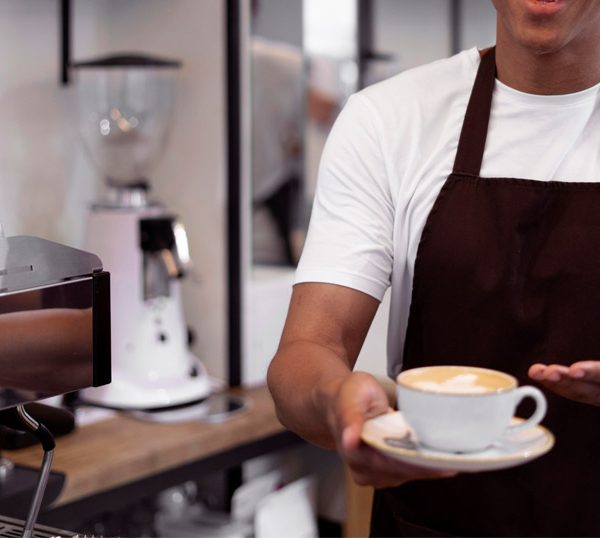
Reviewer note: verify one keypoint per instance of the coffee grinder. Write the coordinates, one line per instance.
(125, 105)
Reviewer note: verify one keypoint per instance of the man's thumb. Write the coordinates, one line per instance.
(351, 433)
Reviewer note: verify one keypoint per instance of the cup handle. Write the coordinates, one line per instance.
(540, 408)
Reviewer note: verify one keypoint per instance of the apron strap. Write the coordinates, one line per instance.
(471, 144)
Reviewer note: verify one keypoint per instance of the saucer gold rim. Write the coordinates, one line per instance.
(458, 458)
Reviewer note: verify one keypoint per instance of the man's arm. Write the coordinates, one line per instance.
(315, 391)
(323, 334)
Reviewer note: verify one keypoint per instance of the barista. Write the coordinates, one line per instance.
(472, 186)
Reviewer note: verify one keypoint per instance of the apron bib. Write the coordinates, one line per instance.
(507, 274)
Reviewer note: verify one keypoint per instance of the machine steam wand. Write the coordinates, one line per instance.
(19, 419)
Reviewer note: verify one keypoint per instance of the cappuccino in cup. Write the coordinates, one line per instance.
(462, 408)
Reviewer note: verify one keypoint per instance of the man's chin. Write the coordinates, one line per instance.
(543, 41)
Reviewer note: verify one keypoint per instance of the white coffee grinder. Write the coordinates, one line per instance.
(125, 105)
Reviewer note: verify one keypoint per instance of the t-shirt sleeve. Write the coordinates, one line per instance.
(350, 237)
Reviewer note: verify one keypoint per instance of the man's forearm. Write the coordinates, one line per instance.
(303, 378)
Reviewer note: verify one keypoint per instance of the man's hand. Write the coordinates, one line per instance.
(359, 397)
(579, 382)
(317, 395)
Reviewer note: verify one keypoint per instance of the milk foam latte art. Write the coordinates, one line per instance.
(458, 384)
(462, 408)
(457, 380)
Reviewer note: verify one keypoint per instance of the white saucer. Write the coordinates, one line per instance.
(391, 435)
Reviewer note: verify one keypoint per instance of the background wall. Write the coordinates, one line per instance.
(46, 181)
(279, 20)
(43, 181)
(418, 32)
(478, 23)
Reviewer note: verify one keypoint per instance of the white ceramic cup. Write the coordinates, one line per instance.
(461, 408)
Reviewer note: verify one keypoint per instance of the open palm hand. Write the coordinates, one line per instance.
(580, 381)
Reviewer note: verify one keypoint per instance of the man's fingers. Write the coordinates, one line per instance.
(553, 372)
(586, 370)
(536, 371)
(544, 372)
(367, 460)
(351, 437)
(580, 381)
(379, 471)
(349, 418)
(361, 398)
(575, 389)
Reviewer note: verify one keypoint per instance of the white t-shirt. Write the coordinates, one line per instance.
(391, 150)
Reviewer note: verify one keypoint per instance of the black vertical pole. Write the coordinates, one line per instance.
(456, 26)
(234, 254)
(65, 40)
(365, 38)
(234, 476)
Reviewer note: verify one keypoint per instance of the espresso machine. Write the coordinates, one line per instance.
(125, 107)
(54, 339)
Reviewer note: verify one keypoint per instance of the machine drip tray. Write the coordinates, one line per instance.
(13, 528)
(18, 487)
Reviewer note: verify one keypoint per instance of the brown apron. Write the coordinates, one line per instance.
(507, 274)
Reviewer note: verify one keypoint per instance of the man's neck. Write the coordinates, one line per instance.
(568, 70)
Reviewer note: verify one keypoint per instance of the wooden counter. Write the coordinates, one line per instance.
(122, 450)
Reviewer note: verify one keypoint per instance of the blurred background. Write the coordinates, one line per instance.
(223, 129)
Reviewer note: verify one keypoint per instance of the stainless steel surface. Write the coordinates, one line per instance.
(13, 528)
(157, 280)
(46, 341)
(6, 468)
(182, 247)
(221, 407)
(53, 317)
(29, 421)
(167, 264)
(36, 503)
(29, 262)
(126, 197)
